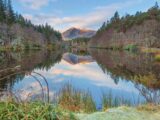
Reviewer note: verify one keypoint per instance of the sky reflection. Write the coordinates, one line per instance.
(83, 75)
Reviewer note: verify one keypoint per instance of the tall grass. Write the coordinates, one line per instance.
(76, 100)
(109, 101)
(82, 101)
(32, 111)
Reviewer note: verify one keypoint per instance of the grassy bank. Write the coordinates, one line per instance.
(40, 111)
(74, 104)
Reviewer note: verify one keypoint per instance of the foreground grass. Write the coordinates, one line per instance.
(75, 104)
(33, 111)
(41, 111)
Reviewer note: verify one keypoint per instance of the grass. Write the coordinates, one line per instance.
(11, 110)
(108, 101)
(149, 107)
(76, 100)
(33, 111)
(82, 101)
(70, 103)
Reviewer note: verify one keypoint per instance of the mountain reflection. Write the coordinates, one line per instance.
(76, 59)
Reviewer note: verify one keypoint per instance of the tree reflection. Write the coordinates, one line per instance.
(27, 61)
(151, 95)
(139, 68)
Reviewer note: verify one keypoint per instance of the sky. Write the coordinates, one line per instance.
(86, 14)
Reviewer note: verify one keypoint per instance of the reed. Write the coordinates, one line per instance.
(76, 100)
(109, 101)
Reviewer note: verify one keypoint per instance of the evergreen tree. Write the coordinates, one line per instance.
(154, 11)
(2, 11)
(156, 6)
(11, 14)
(103, 26)
(115, 18)
(8, 16)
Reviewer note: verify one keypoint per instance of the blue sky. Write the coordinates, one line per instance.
(89, 14)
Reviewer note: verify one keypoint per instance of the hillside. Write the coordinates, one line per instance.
(74, 33)
(15, 30)
(141, 29)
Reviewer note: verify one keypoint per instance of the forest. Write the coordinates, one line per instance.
(141, 29)
(19, 33)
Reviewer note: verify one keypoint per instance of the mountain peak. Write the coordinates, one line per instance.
(74, 32)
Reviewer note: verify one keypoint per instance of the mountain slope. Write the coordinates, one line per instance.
(18, 32)
(73, 33)
(141, 29)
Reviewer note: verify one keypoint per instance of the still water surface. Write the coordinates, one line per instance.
(131, 76)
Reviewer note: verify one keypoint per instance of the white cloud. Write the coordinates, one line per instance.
(91, 20)
(35, 4)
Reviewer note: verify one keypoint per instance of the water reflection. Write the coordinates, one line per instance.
(134, 77)
(77, 59)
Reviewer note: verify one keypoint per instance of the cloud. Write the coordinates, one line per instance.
(91, 20)
(35, 4)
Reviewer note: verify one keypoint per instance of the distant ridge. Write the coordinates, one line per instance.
(73, 33)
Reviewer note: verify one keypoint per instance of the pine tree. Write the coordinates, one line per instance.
(116, 16)
(103, 26)
(156, 6)
(2, 11)
(154, 11)
(11, 14)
